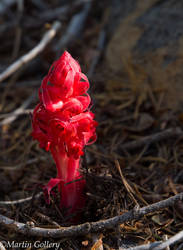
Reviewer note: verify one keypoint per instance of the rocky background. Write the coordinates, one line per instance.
(131, 51)
(148, 35)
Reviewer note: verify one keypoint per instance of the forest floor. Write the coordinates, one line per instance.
(136, 161)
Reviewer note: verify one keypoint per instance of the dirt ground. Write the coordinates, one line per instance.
(137, 159)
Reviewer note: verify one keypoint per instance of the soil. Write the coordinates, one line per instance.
(129, 104)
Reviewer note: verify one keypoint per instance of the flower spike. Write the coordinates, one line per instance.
(63, 124)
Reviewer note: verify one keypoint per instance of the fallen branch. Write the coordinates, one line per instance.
(46, 218)
(74, 28)
(147, 140)
(87, 227)
(22, 164)
(149, 246)
(20, 200)
(48, 36)
(21, 110)
(100, 48)
(59, 12)
(18, 34)
(159, 245)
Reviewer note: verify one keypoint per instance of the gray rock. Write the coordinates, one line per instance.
(149, 38)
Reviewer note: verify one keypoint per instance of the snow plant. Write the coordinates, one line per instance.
(63, 124)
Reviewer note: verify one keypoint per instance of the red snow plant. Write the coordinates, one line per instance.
(63, 124)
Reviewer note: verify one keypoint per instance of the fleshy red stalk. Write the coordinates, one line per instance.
(72, 197)
(63, 123)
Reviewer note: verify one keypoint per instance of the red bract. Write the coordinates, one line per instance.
(63, 124)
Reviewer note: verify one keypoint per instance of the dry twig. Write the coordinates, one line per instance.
(21, 164)
(87, 227)
(127, 186)
(21, 112)
(147, 140)
(74, 28)
(13, 115)
(59, 12)
(18, 35)
(20, 200)
(46, 218)
(48, 36)
(100, 47)
(159, 245)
